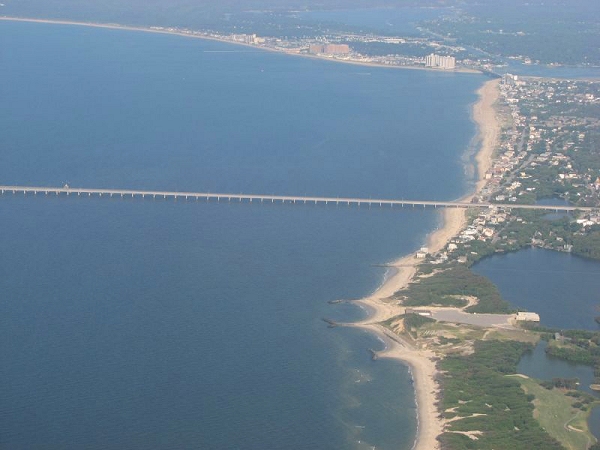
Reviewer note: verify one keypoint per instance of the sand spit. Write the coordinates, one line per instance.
(115, 26)
(421, 362)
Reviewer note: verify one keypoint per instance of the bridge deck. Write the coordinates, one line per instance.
(272, 198)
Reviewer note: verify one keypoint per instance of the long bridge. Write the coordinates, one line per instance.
(66, 190)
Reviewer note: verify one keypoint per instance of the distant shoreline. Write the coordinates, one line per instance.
(147, 29)
(421, 361)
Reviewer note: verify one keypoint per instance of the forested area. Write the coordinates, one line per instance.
(476, 387)
(446, 288)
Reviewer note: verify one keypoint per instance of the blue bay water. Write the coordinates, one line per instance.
(563, 289)
(160, 324)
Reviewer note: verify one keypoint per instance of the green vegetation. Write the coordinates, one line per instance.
(578, 350)
(562, 414)
(587, 245)
(561, 383)
(416, 321)
(548, 332)
(444, 340)
(442, 289)
(553, 153)
(527, 228)
(263, 17)
(513, 335)
(476, 389)
(549, 32)
(574, 354)
(578, 346)
(412, 322)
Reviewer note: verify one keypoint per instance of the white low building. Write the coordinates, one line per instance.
(528, 317)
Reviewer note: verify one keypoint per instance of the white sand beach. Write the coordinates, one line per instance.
(421, 362)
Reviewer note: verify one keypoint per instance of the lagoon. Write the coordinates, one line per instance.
(563, 289)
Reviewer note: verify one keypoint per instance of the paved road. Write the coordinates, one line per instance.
(481, 320)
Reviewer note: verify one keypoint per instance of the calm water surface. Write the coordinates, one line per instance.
(162, 324)
(562, 288)
(543, 367)
(537, 364)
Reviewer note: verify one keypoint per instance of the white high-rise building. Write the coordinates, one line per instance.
(441, 62)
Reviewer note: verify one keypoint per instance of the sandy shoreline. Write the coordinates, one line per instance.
(115, 26)
(421, 363)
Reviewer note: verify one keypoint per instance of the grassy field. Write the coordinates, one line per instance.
(554, 411)
(513, 335)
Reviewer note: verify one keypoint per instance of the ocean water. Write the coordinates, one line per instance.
(172, 324)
